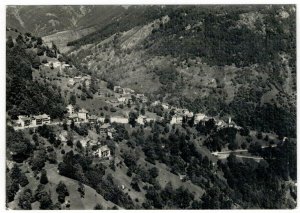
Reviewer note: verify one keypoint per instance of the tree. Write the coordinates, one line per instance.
(72, 99)
(9, 42)
(65, 125)
(81, 189)
(17, 176)
(62, 191)
(25, 199)
(45, 201)
(36, 62)
(44, 178)
(132, 118)
(143, 111)
(259, 135)
(39, 41)
(98, 207)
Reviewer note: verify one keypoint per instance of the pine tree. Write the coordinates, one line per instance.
(44, 178)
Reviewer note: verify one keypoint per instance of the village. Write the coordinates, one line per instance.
(122, 96)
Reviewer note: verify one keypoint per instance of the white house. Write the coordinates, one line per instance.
(155, 103)
(199, 117)
(221, 124)
(82, 114)
(23, 121)
(128, 91)
(119, 119)
(93, 118)
(101, 119)
(118, 89)
(40, 120)
(106, 130)
(103, 152)
(37, 120)
(77, 78)
(165, 105)
(176, 119)
(57, 64)
(141, 120)
(70, 109)
(71, 82)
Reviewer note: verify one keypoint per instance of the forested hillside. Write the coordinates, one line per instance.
(152, 107)
(223, 60)
(24, 95)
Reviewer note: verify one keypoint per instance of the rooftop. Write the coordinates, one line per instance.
(104, 148)
(83, 111)
(105, 126)
(43, 116)
(93, 117)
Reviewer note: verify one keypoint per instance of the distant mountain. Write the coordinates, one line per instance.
(46, 20)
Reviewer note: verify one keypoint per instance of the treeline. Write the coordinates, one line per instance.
(217, 36)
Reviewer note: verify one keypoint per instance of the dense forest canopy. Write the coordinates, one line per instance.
(26, 96)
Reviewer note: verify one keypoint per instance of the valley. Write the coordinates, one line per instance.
(151, 107)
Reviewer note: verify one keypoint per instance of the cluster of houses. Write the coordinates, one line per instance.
(57, 64)
(94, 147)
(32, 121)
(125, 95)
(80, 79)
(180, 114)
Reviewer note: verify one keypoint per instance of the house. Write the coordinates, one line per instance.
(105, 130)
(118, 89)
(221, 124)
(119, 119)
(142, 98)
(128, 91)
(77, 78)
(38, 120)
(103, 152)
(70, 109)
(122, 99)
(23, 121)
(101, 119)
(141, 119)
(125, 99)
(66, 66)
(199, 117)
(82, 115)
(177, 119)
(150, 119)
(101, 94)
(63, 136)
(87, 77)
(87, 83)
(56, 64)
(71, 82)
(73, 117)
(165, 105)
(41, 120)
(155, 103)
(188, 114)
(93, 118)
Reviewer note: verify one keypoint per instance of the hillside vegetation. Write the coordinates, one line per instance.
(221, 60)
(236, 64)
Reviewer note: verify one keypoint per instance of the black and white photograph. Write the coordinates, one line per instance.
(161, 107)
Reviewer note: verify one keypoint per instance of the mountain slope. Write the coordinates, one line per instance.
(220, 60)
(46, 20)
